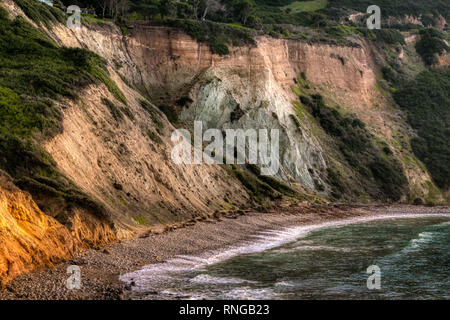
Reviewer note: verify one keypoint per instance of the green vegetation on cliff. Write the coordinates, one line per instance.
(217, 35)
(34, 73)
(396, 8)
(225, 23)
(431, 44)
(260, 187)
(41, 13)
(374, 165)
(426, 100)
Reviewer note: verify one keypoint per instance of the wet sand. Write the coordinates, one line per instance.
(100, 269)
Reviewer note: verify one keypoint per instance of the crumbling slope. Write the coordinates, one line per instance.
(29, 238)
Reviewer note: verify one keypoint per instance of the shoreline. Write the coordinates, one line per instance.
(101, 269)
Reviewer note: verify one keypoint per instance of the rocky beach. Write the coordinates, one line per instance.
(101, 269)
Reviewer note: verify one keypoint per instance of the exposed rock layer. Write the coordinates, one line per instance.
(124, 163)
(29, 238)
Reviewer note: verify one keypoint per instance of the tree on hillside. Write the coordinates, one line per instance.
(242, 9)
(431, 44)
(166, 8)
(201, 8)
(184, 9)
(208, 6)
(148, 8)
(122, 7)
(197, 5)
(112, 8)
(102, 5)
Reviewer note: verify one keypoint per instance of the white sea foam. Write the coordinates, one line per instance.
(284, 284)
(424, 237)
(207, 279)
(247, 293)
(418, 243)
(180, 295)
(313, 248)
(152, 275)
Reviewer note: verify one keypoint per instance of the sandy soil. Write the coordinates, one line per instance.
(101, 268)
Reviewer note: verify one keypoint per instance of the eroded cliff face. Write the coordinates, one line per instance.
(122, 158)
(255, 82)
(252, 82)
(126, 165)
(29, 238)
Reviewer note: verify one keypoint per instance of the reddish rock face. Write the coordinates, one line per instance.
(29, 239)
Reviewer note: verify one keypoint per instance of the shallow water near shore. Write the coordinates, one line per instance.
(322, 261)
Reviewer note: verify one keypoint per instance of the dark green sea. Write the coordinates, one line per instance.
(327, 261)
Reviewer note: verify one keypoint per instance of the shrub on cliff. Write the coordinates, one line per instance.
(217, 35)
(360, 151)
(426, 100)
(388, 36)
(431, 44)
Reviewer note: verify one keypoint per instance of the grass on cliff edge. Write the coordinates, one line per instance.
(41, 13)
(396, 8)
(35, 72)
(300, 6)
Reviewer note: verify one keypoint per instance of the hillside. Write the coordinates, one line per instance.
(87, 115)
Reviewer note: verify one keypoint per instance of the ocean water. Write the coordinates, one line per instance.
(324, 261)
